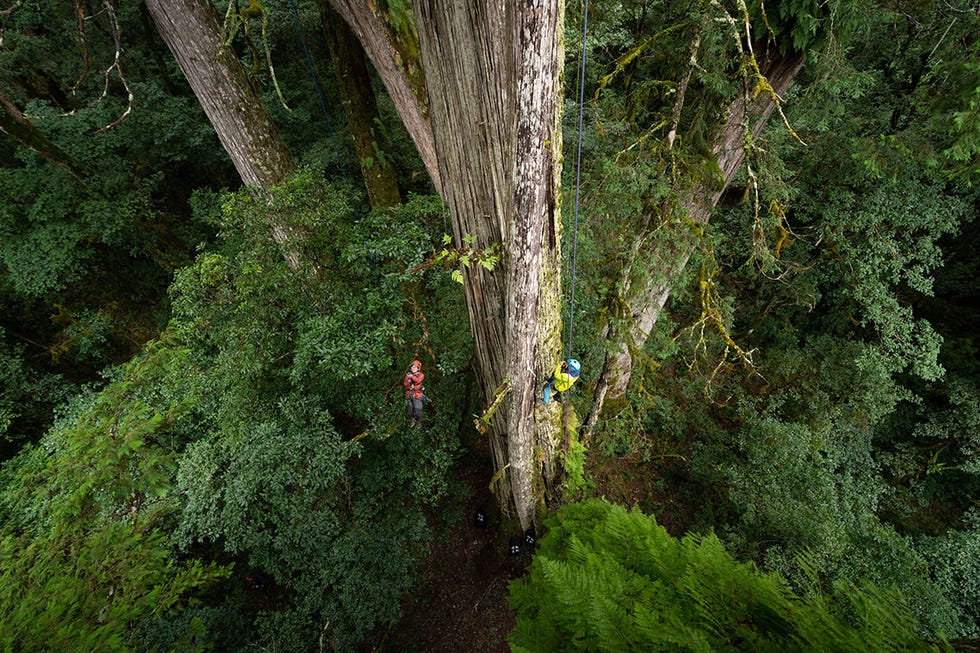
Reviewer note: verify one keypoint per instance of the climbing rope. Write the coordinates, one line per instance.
(566, 444)
(578, 177)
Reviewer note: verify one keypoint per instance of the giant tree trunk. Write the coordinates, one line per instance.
(492, 73)
(354, 83)
(192, 31)
(662, 261)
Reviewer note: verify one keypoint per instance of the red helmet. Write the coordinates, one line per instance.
(416, 363)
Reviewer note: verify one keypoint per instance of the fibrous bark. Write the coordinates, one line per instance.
(492, 72)
(192, 31)
(492, 77)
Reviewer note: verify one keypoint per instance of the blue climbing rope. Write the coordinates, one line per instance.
(578, 177)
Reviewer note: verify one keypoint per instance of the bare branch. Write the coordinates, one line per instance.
(268, 61)
(80, 17)
(682, 89)
(116, 65)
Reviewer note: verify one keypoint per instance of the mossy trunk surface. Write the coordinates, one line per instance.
(491, 140)
(366, 22)
(360, 105)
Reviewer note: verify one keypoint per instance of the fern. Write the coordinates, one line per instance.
(605, 579)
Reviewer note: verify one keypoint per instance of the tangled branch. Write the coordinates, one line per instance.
(114, 68)
(711, 319)
(236, 18)
(116, 65)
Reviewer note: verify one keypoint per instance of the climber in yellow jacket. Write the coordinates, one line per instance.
(566, 373)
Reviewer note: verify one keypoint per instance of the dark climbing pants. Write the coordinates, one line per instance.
(413, 408)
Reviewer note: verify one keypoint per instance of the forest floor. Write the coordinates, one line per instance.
(461, 603)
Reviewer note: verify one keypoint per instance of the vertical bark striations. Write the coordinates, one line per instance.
(533, 279)
(492, 74)
(468, 54)
(491, 141)
(192, 31)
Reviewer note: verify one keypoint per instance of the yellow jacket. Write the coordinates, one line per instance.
(563, 380)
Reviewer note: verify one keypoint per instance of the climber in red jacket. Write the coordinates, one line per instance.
(414, 394)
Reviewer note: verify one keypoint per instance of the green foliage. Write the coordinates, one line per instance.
(84, 263)
(605, 579)
(844, 438)
(261, 429)
(954, 561)
(300, 464)
(809, 26)
(83, 556)
(18, 385)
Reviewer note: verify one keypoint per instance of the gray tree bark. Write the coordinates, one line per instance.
(492, 75)
(492, 82)
(192, 32)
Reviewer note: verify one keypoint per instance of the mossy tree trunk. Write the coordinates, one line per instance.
(492, 74)
(357, 96)
(654, 265)
(366, 21)
(192, 31)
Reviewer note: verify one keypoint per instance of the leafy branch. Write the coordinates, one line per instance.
(466, 256)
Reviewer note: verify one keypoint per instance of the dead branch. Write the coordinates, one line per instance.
(116, 65)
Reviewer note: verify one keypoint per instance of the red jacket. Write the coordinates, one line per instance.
(413, 385)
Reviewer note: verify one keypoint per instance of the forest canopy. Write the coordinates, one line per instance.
(226, 229)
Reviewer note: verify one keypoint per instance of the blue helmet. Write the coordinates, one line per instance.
(574, 367)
